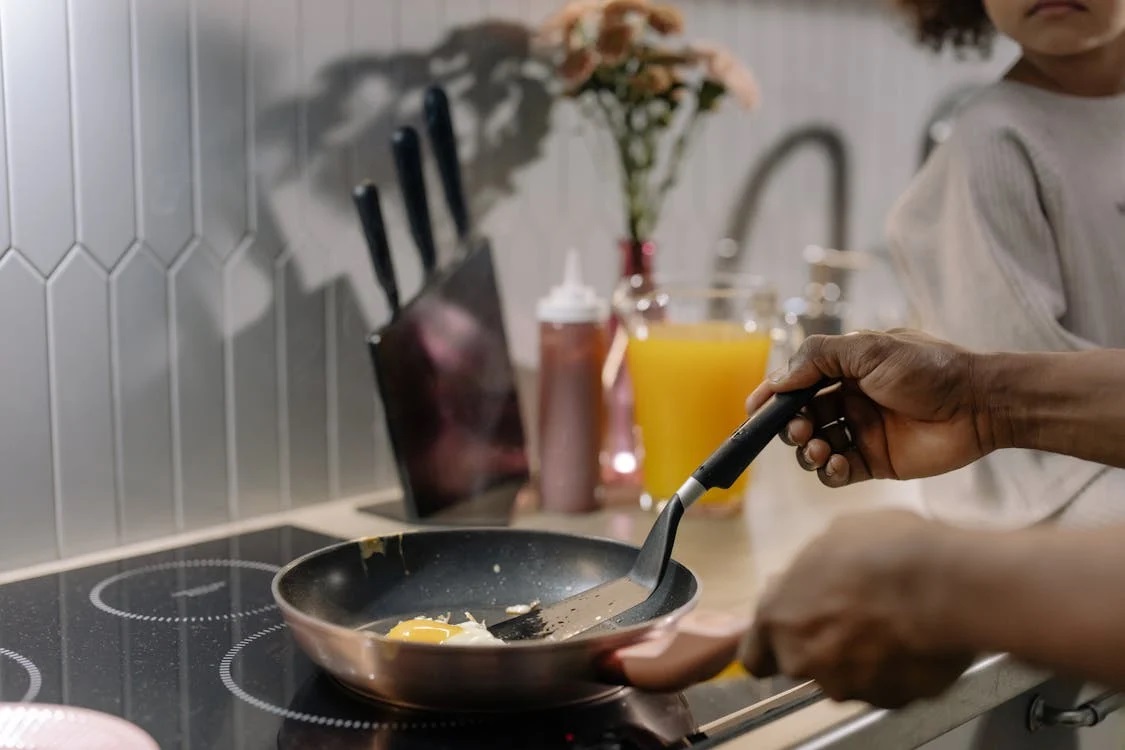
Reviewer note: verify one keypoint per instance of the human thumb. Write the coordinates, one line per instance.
(778, 375)
(802, 370)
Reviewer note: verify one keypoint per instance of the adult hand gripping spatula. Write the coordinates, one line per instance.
(601, 604)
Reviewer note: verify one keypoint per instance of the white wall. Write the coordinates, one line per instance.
(183, 288)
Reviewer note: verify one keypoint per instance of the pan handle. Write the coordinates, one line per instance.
(697, 647)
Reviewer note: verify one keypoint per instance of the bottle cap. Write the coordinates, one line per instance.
(572, 301)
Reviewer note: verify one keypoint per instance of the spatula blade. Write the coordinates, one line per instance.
(575, 614)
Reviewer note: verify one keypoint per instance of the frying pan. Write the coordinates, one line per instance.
(339, 601)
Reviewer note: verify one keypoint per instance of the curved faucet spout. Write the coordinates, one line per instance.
(745, 210)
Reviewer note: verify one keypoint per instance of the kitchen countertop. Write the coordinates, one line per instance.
(732, 558)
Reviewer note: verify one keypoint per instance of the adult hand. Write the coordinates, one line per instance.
(908, 401)
(858, 612)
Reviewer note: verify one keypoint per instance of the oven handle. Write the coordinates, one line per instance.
(1094, 711)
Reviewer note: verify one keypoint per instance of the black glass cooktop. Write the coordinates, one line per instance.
(187, 644)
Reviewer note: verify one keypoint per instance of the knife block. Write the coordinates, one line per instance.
(451, 403)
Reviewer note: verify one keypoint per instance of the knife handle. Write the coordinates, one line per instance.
(439, 125)
(366, 199)
(407, 150)
(726, 464)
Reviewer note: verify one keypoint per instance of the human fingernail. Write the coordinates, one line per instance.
(776, 376)
(804, 460)
(829, 468)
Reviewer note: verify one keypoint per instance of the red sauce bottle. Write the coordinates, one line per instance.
(572, 349)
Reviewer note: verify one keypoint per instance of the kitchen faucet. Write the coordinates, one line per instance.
(828, 269)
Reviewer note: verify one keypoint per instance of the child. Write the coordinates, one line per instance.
(1012, 236)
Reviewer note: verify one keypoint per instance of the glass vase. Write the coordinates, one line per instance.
(621, 462)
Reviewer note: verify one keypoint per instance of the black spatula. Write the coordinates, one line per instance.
(601, 604)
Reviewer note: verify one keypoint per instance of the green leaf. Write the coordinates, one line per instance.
(710, 92)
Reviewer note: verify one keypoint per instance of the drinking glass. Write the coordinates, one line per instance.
(695, 352)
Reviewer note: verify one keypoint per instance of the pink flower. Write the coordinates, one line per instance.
(616, 10)
(654, 80)
(666, 19)
(725, 69)
(614, 42)
(563, 23)
(577, 68)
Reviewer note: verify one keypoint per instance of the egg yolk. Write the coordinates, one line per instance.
(424, 631)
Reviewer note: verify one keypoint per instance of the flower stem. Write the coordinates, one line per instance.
(676, 158)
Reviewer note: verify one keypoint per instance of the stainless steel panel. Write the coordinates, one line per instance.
(199, 413)
(220, 90)
(102, 96)
(33, 43)
(305, 390)
(82, 397)
(251, 306)
(142, 394)
(163, 102)
(27, 533)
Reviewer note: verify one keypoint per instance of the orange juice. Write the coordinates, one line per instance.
(690, 383)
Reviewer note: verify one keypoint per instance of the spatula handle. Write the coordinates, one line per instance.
(726, 464)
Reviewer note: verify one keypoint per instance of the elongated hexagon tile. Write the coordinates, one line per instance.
(82, 395)
(199, 409)
(33, 37)
(304, 393)
(220, 75)
(103, 128)
(325, 34)
(28, 532)
(163, 104)
(274, 81)
(5, 216)
(142, 395)
(251, 307)
(355, 409)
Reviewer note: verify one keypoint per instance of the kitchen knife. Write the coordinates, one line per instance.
(598, 606)
(407, 149)
(443, 141)
(366, 198)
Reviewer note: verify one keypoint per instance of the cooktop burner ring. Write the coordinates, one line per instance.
(100, 603)
(34, 676)
(227, 678)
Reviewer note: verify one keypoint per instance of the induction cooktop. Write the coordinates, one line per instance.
(187, 644)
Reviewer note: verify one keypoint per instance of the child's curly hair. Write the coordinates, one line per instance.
(959, 23)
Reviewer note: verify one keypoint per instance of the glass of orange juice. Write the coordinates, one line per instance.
(695, 352)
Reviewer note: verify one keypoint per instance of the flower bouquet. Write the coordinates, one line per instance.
(624, 62)
(620, 59)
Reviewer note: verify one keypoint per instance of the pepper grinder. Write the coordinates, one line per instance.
(572, 348)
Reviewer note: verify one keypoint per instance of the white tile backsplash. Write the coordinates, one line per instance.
(198, 354)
